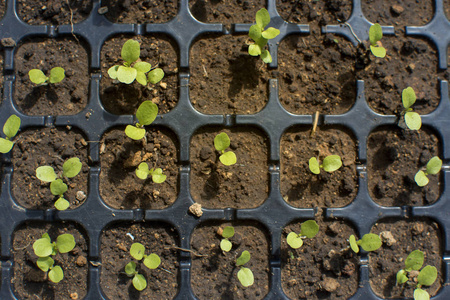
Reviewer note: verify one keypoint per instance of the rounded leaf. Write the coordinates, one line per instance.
(43, 247)
(134, 132)
(331, 163)
(254, 50)
(427, 276)
(58, 187)
(112, 72)
(413, 120)
(421, 179)
(56, 75)
(147, 112)
(266, 57)
(370, 242)
(56, 274)
(37, 76)
(131, 51)
(378, 51)
(255, 32)
(401, 277)
(294, 240)
(62, 204)
(314, 165)
(141, 78)
(158, 176)
(353, 244)
(46, 174)
(225, 245)
(414, 261)
(243, 259)
(270, 33)
(155, 75)
(420, 294)
(228, 158)
(139, 282)
(45, 263)
(142, 171)
(65, 243)
(434, 165)
(5, 145)
(221, 141)
(245, 276)
(126, 74)
(408, 97)
(11, 126)
(142, 66)
(262, 18)
(228, 232)
(375, 33)
(137, 251)
(309, 229)
(130, 268)
(152, 261)
(72, 167)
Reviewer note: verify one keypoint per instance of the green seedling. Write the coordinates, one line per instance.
(152, 261)
(375, 35)
(44, 248)
(38, 77)
(369, 242)
(261, 36)
(245, 275)
(330, 164)
(146, 114)
(157, 175)
(227, 233)
(412, 119)
(222, 142)
(308, 229)
(71, 168)
(10, 130)
(134, 69)
(411, 275)
(433, 167)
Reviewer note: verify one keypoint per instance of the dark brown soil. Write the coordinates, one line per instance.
(215, 275)
(119, 98)
(447, 8)
(47, 147)
(316, 12)
(410, 235)
(394, 157)
(398, 12)
(115, 254)
(142, 12)
(67, 97)
(323, 267)
(225, 12)
(119, 158)
(2, 7)
(35, 12)
(299, 186)
(225, 79)
(30, 282)
(243, 185)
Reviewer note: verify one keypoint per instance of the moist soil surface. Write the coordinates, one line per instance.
(30, 282)
(120, 98)
(119, 158)
(67, 97)
(243, 185)
(406, 236)
(299, 186)
(115, 254)
(394, 157)
(214, 276)
(48, 147)
(142, 12)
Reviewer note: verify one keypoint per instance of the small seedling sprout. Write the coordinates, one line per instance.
(427, 276)
(10, 130)
(222, 142)
(71, 168)
(261, 36)
(375, 35)
(308, 229)
(44, 248)
(146, 114)
(330, 164)
(38, 77)
(133, 69)
(157, 175)
(412, 119)
(433, 167)
(152, 261)
(245, 275)
(369, 242)
(227, 233)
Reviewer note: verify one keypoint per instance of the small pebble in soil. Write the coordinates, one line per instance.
(330, 284)
(81, 261)
(74, 296)
(387, 238)
(196, 210)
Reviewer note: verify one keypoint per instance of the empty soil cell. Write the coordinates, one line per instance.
(316, 12)
(225, 79)
(30, 282)
(120, 98)
(329, 269)
(404, 237)
(141, 12)
(48, 147)
(218, 268)
(67, 97)
(225, 12)
(53, 12)
(394, 156)
(116, 242)
(299, 186)
(243, 185)
(119, 158)
(398, 12)
(316, 73)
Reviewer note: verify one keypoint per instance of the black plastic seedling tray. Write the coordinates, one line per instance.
(184, 120)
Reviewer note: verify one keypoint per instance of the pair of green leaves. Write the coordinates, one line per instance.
(369, 242)
(412, 119)
(10, 129)
(222, 142)
(245, 275)
(261, 36)
(146, 114)
(227, 233)
(330, 164)
(375, 35)
(152, 261)
(308, 229)
(142, 172)
(71, 168)
(57, 74)
(433, 167)
(133, 69)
